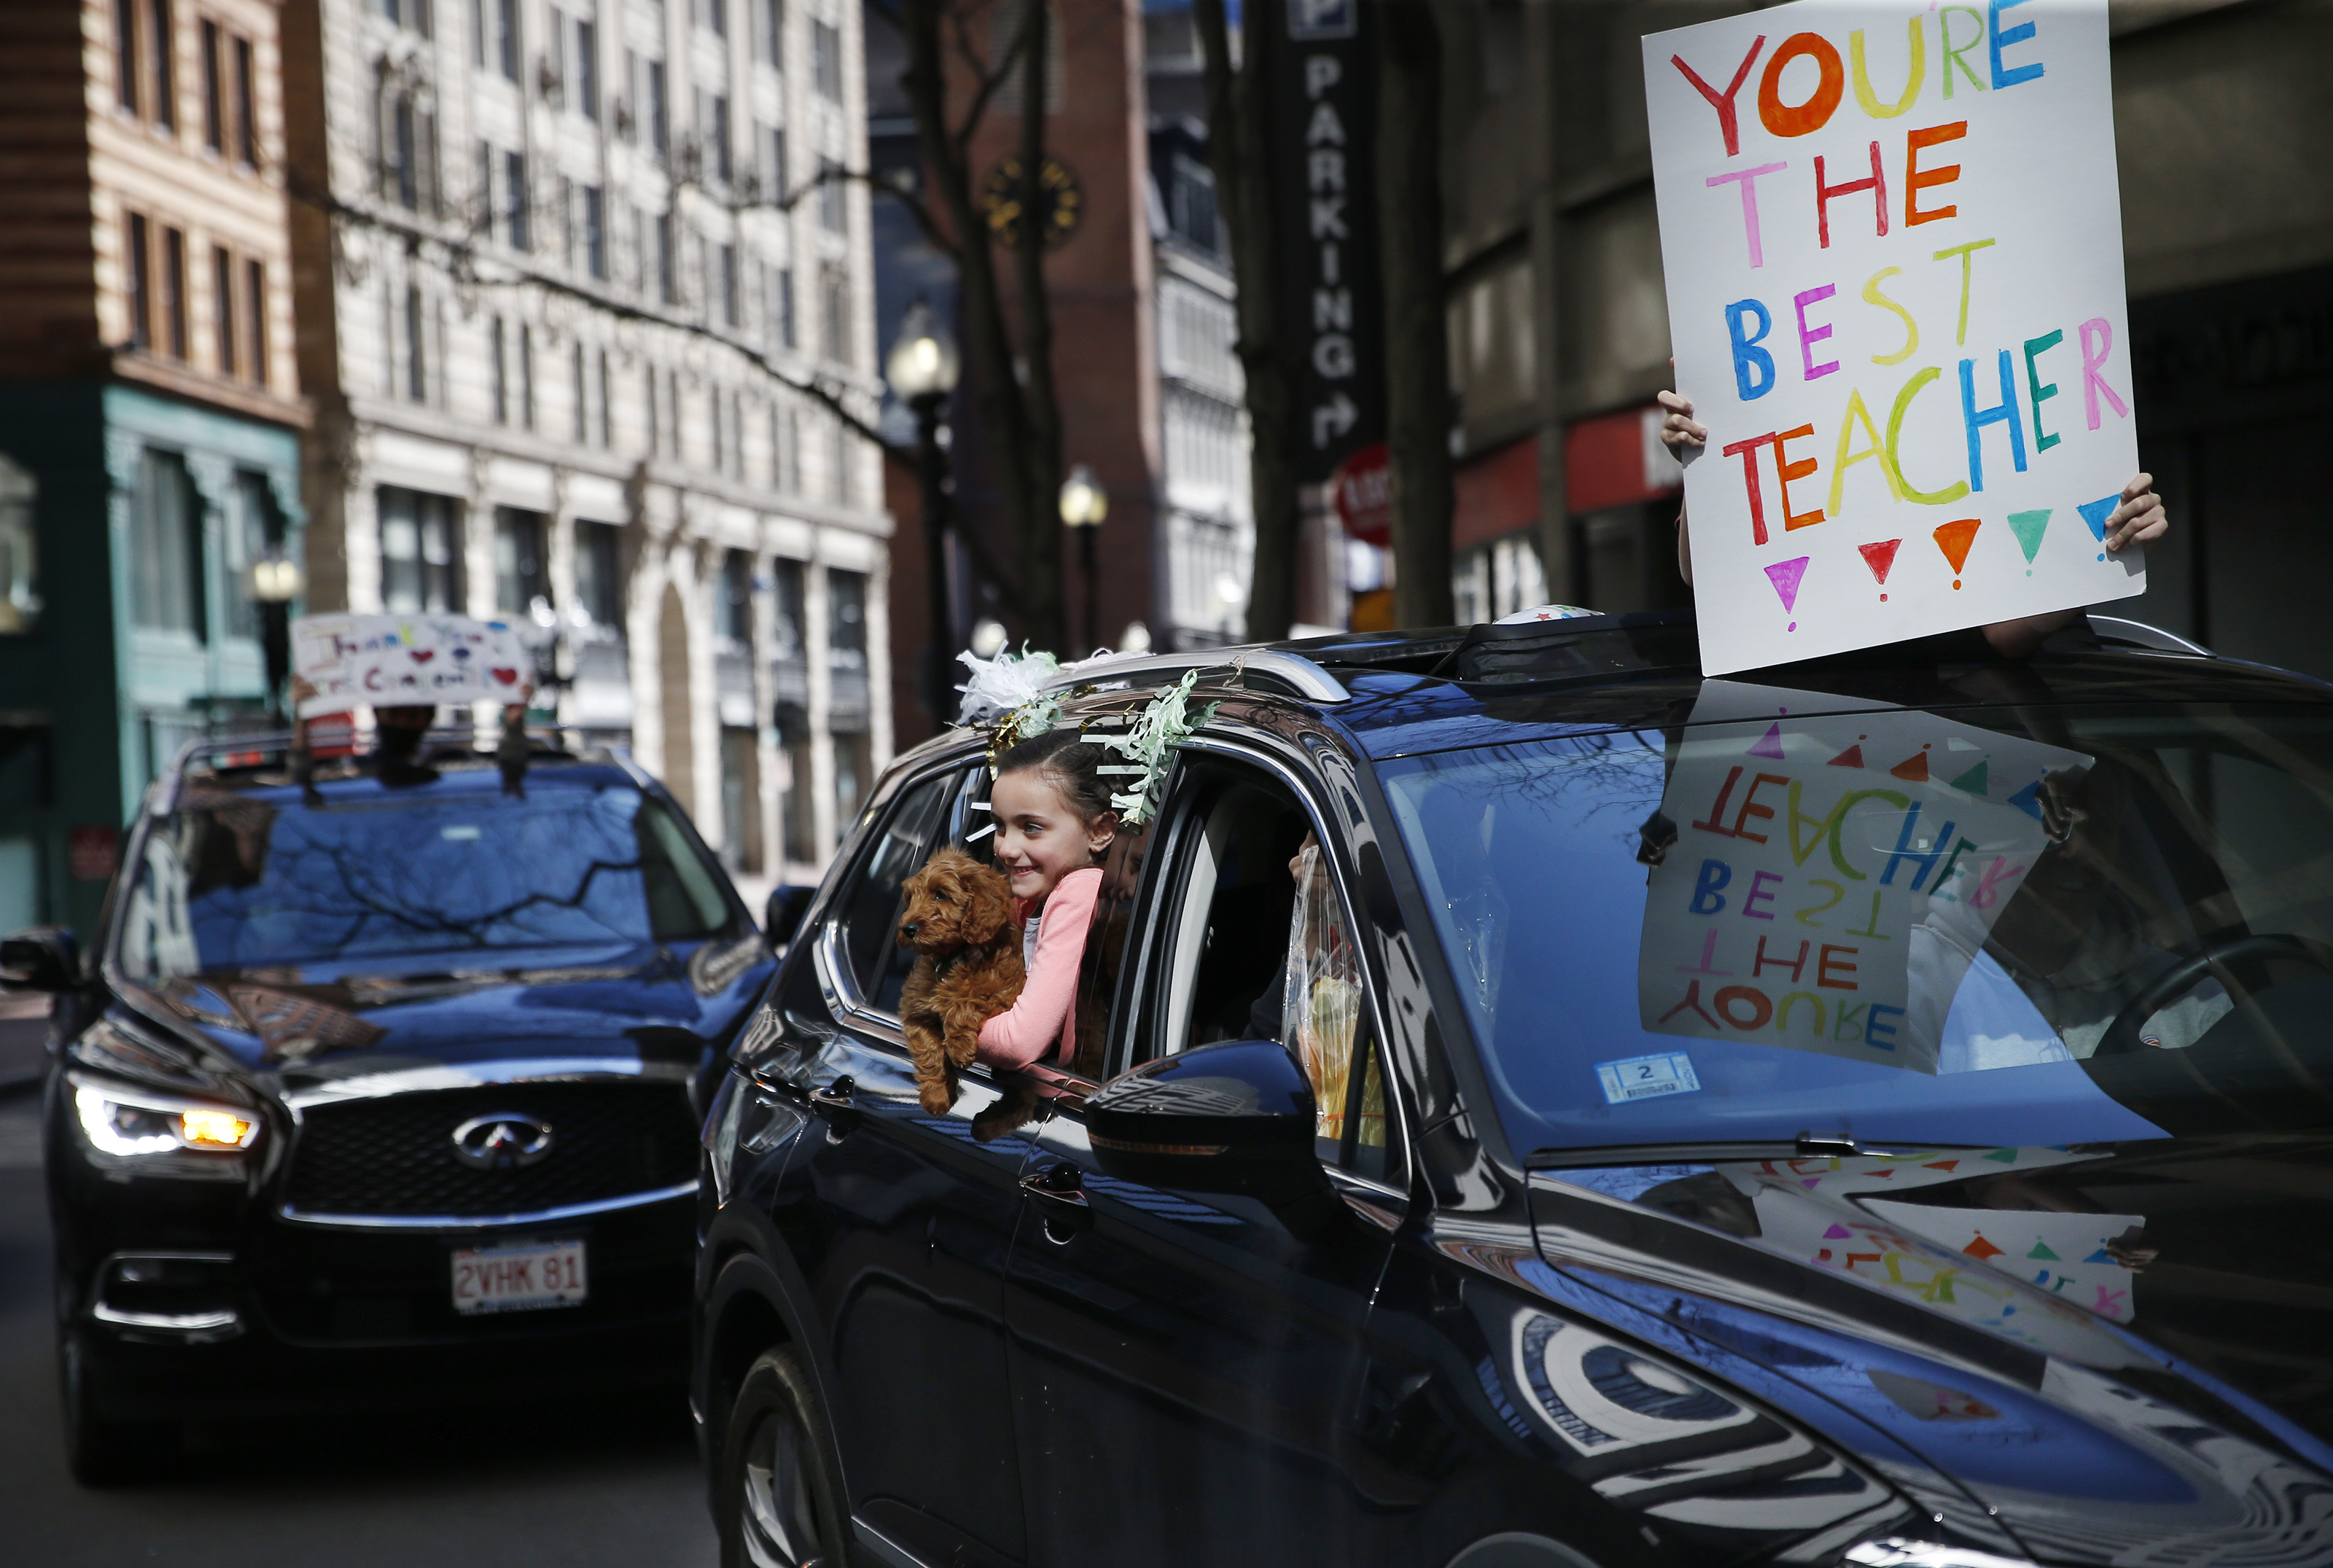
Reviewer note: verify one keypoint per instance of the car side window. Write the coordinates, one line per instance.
(1258, 945)
(870, 907)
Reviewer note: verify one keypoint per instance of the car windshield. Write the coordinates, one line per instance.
(2030, 925)
(234, 881)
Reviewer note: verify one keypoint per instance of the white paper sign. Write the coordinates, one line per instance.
(393, 660)
(1893, 243)
(1835, 874)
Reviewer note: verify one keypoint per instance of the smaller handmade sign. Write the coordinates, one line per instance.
(388, 660)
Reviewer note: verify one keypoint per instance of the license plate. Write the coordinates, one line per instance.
(521, 1276)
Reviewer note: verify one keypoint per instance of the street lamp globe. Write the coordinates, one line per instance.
(274, 580)
(988, 639)
(1084, 502)
(923, 362)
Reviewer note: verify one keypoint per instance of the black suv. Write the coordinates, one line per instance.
(381, 1088)
(1877, 1111)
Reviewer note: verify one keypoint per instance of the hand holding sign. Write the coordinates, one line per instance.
(1914, 372)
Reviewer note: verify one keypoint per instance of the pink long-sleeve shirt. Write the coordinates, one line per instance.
(1043, 1014)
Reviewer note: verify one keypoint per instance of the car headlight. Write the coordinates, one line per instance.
(126, 1122)
(1895, 1552)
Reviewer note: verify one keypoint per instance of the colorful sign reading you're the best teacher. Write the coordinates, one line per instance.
(1893, 244)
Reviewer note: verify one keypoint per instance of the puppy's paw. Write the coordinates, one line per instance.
(937, 1097)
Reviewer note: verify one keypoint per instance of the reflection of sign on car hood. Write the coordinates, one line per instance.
(1833, 875)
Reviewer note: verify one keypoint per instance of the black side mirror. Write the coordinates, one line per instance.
(1237, 1116)
(44, 959)
(783, 917)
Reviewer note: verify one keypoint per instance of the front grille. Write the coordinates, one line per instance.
(394, 1156)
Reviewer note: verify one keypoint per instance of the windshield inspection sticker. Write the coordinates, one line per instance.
(1644, 1077)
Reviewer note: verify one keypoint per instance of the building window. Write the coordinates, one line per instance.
(660, 123)
(166, 92)
(522, 575)
(656, 419)
(408, 152)
(772, 14)
(790, 683)
(826, 59)
(672, 408)
(587, 69)
(515, 226)
(667, 279)
(417, 350)
(419, 552)
(833, 214)
(246, 123)
(595, 232)
(582, 410)
(834, 310)
(729, 285)
(165, 546)
(253, 532)
(782, 306)
(214, 96)
(174, 292)
(598, 585)
(713, 16)
(141, 284)
(720, 435)
(222, 302)
(125, 53)
(722, 169)
(409, 14)
(505, 35)
(255, 313)
(20, 557)
(607, 400)
(500, 349)
(848, 697)
(526, 376)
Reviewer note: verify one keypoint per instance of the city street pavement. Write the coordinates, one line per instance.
(543, 1487)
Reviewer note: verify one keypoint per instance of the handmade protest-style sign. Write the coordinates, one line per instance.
(1835, 875)
(405, 660)
(1893, 244)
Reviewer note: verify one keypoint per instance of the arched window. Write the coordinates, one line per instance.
(20, 559)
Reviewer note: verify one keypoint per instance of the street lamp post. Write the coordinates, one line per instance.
(922, 372)
(1084, 504)
(275, 582)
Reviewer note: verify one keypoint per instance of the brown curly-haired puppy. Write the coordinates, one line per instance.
(959, 918)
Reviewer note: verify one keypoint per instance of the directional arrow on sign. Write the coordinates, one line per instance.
(1332, 419)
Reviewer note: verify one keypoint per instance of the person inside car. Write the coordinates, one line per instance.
(1054, 823)
(2139, 519)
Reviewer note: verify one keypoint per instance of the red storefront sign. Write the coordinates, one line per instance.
(1614, 459)
(93, 853)
(1362, 489)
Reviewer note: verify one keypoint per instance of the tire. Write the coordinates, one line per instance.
(780, 1489)
(101, 1452)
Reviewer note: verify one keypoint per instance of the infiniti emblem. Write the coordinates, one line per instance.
(504, 1141)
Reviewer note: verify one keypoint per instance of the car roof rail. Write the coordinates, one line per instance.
(1273, 668)
(2139, 634)
(549, 740)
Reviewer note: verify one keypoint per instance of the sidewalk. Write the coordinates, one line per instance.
(24, 1041)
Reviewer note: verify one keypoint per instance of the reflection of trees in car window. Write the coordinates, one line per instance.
(254, 882)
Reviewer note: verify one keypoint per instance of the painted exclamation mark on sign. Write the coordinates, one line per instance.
(1786, 575)
(1954, 539)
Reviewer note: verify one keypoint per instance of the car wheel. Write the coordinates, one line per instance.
(101, 1452)
(780, 1491)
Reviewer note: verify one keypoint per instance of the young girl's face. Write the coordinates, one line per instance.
(1040, 838)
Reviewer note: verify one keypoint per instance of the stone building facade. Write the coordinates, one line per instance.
(586, 323)
(149, 413)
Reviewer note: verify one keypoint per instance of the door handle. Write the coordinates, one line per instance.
(834, 1097)
(1058, 1193)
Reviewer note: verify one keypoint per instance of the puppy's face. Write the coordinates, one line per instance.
(953, 903)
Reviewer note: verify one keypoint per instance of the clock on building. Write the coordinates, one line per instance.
(1060, 201)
